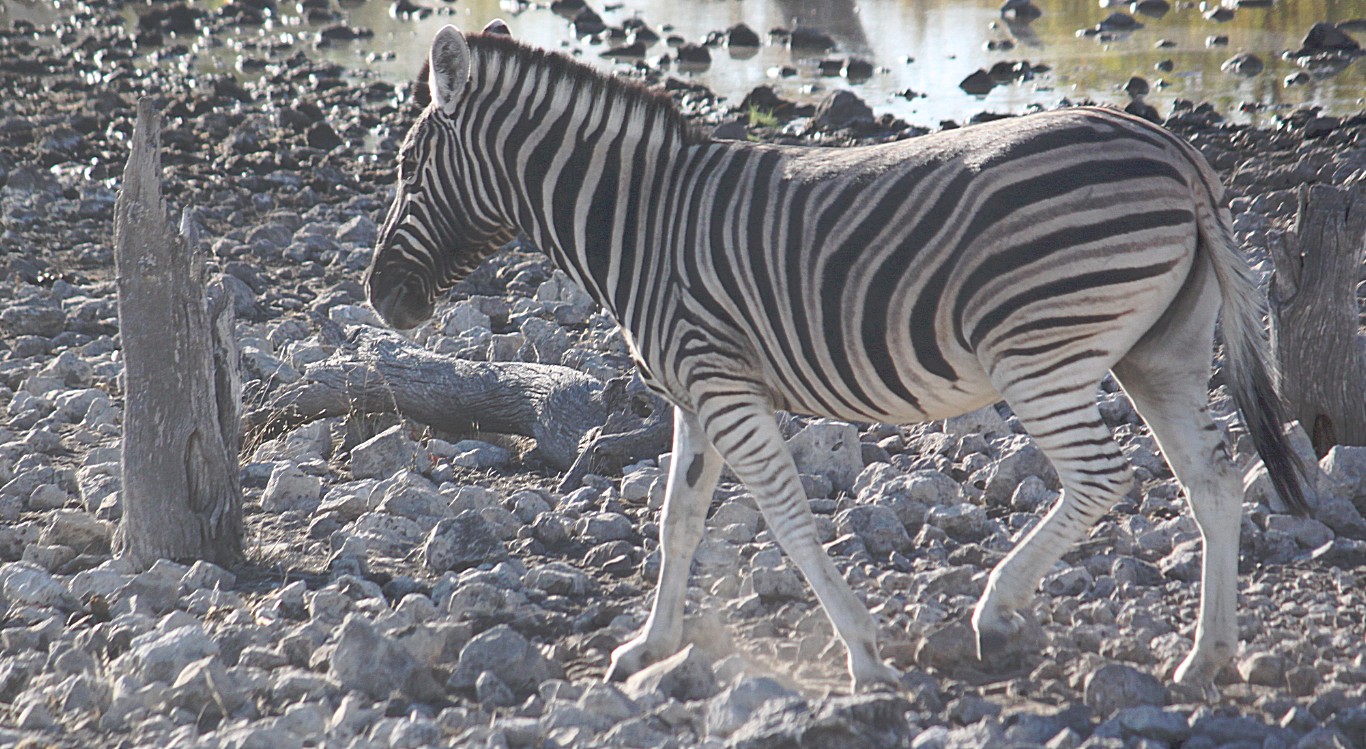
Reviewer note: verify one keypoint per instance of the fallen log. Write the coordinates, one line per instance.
(1316, 316)
(380, 372)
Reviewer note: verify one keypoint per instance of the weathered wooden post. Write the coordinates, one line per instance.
(1315, 316)
(182, 497)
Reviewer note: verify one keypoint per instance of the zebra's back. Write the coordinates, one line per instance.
(893, 277)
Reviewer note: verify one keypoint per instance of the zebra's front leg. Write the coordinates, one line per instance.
(743, 430)
(693, 472)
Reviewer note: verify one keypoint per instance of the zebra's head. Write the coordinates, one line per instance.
(443, 221)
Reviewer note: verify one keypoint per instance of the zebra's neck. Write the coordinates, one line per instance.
(584, 160)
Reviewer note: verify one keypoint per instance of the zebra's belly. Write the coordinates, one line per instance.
(873, 399)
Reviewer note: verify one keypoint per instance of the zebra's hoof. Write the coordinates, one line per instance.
(1195, 681)
(627, 659)
(996, 636)
(883, 679)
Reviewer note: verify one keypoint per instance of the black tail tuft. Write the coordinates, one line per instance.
(1261, 409)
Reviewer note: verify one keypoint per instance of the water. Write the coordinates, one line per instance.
(926, 46)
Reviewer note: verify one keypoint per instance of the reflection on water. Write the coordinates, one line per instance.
(922, 46)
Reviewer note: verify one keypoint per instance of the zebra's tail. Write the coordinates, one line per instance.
(1251, 373)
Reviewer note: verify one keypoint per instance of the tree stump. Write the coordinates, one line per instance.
(1316, 316)
(182, 497)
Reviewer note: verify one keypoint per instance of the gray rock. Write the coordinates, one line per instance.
(29, 585)
(490, 690)
(558, 578)
(1345, 468)
(384, 454)
(1183, 563)
(985, 420)
(841, 109)
(1032, 495)
(686, 675)
(206, 687)
(877, 526)
(1308, 533)
(1135, 572)
(828, 448)
(291, 489)
(359, 230)
(480, 455)
(1230, 731)
(207, 575)
(48, 497)
(386, 535)
(458, 543)
(161, 656)
(1152, 722)
(1020, 458)
(947, 647)
(1266, 669)
(866, 721)
(366, 661)
(502, 650)
(735, 706)
(1116, 686)
(602, 527)
(545, 341)
(40, 318)
(81, 531)
(1072, 581)
(410, 495)
(780, 582)
(1344, 553)
(964, 522)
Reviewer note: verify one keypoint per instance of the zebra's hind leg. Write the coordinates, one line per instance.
(1173, 401)
(693, 472)
(1067, 426)
(743, 429)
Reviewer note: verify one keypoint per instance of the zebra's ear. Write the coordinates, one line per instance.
(448, 68)
(499, 27)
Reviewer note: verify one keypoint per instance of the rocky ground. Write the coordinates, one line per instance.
(418, 589)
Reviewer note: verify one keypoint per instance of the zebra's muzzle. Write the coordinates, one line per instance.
(405, 304)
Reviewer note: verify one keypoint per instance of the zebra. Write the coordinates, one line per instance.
(904, 282)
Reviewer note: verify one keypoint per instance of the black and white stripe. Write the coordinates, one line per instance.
(1021, 259)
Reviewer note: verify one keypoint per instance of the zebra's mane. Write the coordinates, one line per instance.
(566, 71)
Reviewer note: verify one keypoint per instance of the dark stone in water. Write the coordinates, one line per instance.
(1020, 11)
(323, 137)
(1119, 22)
(633, 51)
(588, 23)
(1216, 40)
(856, 69)
(408, 9)
(1136, 87)
(1152, 8)
(830, 67)
(841, 109)
(1325, 37)
(1219, 14)
(639, 32)
(741, 35)
(1143, 109)
(810, 39)
(1244, 64)
(1166, 66)
(693, 55)
(568, 8)
(979, 83)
